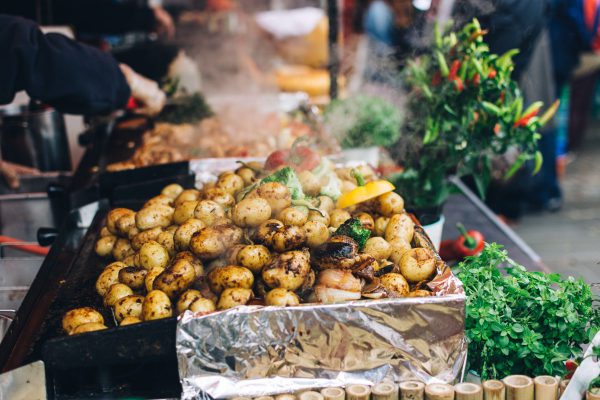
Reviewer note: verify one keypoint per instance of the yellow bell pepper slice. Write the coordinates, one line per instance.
(363, 193)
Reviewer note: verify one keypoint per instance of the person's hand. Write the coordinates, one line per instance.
(164, 22)
(145, 91)
(11, 173)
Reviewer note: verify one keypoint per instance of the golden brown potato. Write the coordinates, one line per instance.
(115, 293)
(232, 254)
(202, 306)
(419, 293)
(220, 196)
(326, 204)
(381, 224)
(288, 238)
(266, 230)
(166, 240)
(79, 316)
(130, 321)
(366, 220)
(209, 212)
(133, 277)
(105, 232)
(254, 257)
(395, 284)
(109, 277)
(130, 306)
(122, 249)
(399, 247)
(378, 247)
(401, 226)
(192, 259)
(316, 233)
(184, 211)
(320, 216)
(187, 298)
(389, 204)
(89, 327)
(172, 191)
(294, 216)
(338, 217)
(129, 260)
(288, 270)
(105, 245)
(184, 233)
(247, 175)
(113, 216)
(212, 242)
(124, 224)
(310, 183)
(156, 305)
(232, 297)
(417, 264)
(230, 276)
(175, 279)
(281, 297)
(151, 276)
(138, 240)
(187, 195)
(251, 212)
(231, 183)
(154, 216)
(277, 194)
(153, 254)
(161, 199)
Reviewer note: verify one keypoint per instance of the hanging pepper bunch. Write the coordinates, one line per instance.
(464, 108)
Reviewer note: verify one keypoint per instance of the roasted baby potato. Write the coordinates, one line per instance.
(294, 216)
(175, 279)
(230, 182)
(399, 247)
(79, 316)
(184, 211)
(366, 220)
(254, 257)
(172, 191)
(417, 264)
(232, 297)
(401, 226)
(151, 234)
(130, 321)
(220, 196)
(133, 277)
(209, 212)
(105, 245)
(192, 259)
(321, 216)
(251, 212)
(89, 327)
(187, 298)
(129, 306)
(230, 276)
(105, 232)
(151, 276)
(395, 284)
(310, 183)
(247, 175)
(281, 297)
(210, 243)
(109, 277)
(288, 237)
(113, 216)
(389, 204)
(338, 217)
(325, 203)
(166, 240)
(266, 230)
(115, 293)
(316, 233)
(202, 306)
(161, 199)
(276, 194)
(155, 216)
(124, 224)
(378, 247)
(184, 233)
(381, 224)
(156, 305)
(153, 254)
(187, 195)
(288, 270)
(122, 249)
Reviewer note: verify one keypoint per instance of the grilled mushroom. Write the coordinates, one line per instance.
(339, 252)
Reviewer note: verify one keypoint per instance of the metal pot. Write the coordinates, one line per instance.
(35, 136)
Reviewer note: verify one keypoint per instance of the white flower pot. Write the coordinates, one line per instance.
(434, 231)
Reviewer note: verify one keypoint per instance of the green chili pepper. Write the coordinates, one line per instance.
(491, 108)
(539, 160)
(443, 64)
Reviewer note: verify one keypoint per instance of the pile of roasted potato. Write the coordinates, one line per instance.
(226, 245)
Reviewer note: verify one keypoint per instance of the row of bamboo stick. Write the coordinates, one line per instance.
(515, 387)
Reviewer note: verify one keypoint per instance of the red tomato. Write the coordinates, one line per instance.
(277, 159)
(304, 158)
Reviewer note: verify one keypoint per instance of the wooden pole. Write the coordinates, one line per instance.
(385, 391)
(439, 391)
(358, 392)
(494, 390)
(468, 391)
(412, 390)
(519, 387)
(333, 394)
(310, 395)
(546, 388)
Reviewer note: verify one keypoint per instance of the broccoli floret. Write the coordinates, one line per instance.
(354, 229)
(288, 177)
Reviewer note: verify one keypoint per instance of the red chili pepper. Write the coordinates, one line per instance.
(524, 120)
(454, 70)
(436, 79)
(448, 251)
(571, 366)
(492, 74)
(475, 116)
(502, 94)
(476, 79)
(459, 84)
(276, 159)
(470, 243)
(497, 128)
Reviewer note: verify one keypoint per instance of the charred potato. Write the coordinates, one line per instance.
(232, 297)
(151, 276)
(153, 254)
(288, 238)
(288, 270)
(109, 277)
(378, 247)
(115, 293)
(192, 259)
(175, 279)
(89, 327)
(187, 195)
(156, 305)
(105, 245)
(230, 276)
(276, 194)
(417, 264)
(79, 316)
(129, 306)
(172, 191)
(187, 298)
(184, 211)
(155, 216)
(389, 204)
(105, 232)
(122, 249)
(401, 226)
(251, 212)
(281, 297)
(316, 233)
(133, 277)
(184, 233)
(266, 230)
(296, 216)
(209, 212)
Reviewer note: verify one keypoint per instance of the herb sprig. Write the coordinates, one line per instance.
(523, 322)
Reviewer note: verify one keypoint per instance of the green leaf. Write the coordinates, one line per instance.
(515, 167)
(539, 159)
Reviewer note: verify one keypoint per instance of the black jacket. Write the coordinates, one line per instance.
(58, 71)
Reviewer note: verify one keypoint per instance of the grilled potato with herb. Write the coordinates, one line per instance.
(156, 305)
(230, 276)
(79, 316)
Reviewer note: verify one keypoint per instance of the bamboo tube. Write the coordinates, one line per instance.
(519, 387)
(385, 391)
(358, 392)
(310, 395)
(468, 391)
(562, 386)
(412, 390)
(494, 390)
(286, 396)
(333, 394)
(439, 391)
(546, 388)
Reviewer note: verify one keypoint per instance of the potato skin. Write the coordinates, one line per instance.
(151, 276)
(395, 283)
(187, 195)
(321, 216)
(209, 212)
(115, 293)
(366, 220)
(156, 305)
(338, 217)
(254, 257)
(161, 199)
(288, 238)
(381, 224)
(192, 259)
(133, 277)
(401, 226)
(122, 249)
(130, 321)
(230, 182)
(175, 279)
(153, 254)
(105, 245)
(294, 216)
(151, 234)
(230, 276)
(166, 240)
(232, 297)
(389, 204)
(219, 196)
(113, 216)
(187, 298)
(266, 230)
(184, 233)
(417, 264)
(89, 327)
(247, 175)
(378, 247)
(288, 270)
(79, 316)
(326, 204)
(310, 183)
(184, 211)
(316, 233)
(155, 216)
(202, 306)
(210, 243)
(172, 191)
(105, 232)
(108, 277)
(251, 212)
(276, 194)
(124, 224)
(399, 247)
(281, 297)
(129, 306)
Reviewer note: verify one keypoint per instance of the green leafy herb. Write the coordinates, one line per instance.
(523, 322)
(288, 177)
(354, 229)
(186, 109)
